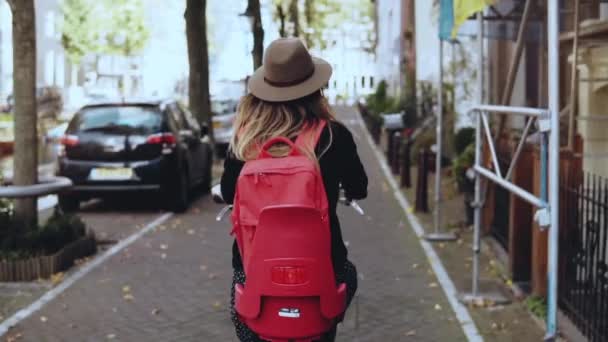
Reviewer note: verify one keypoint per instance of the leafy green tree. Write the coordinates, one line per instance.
(108, 26)
(80, 30)
(126, 31)
(313, 19)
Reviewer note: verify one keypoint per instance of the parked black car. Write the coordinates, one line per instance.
(152, 146)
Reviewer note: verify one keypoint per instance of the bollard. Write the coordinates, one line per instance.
(389, 146)
(406, 178)
(395, 161)
(422, 198)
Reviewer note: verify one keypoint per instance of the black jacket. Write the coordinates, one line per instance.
(340, 166)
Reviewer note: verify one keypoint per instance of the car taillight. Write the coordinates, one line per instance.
(162, 138)
(69, 140)
(289, 275)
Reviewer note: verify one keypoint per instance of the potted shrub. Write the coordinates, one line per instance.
(29, 253)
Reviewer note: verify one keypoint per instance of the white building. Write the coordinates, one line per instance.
(389, 46)
(6, 58)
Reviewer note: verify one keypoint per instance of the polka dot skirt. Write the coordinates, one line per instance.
(347, 275)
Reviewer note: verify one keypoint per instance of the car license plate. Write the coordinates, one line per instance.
(118, 173)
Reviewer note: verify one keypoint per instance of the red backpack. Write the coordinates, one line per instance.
(267, 181)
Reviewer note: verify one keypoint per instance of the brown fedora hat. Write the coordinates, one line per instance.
(289, 72)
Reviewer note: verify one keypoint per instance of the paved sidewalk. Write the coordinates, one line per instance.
(173, 283)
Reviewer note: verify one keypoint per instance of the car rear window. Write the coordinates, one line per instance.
(117, 119)
(223, 107)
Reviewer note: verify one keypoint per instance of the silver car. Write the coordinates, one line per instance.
(224, 113)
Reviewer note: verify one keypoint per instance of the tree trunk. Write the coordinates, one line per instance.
(253, 12)
(198, 56)
(25, 168)
(294, 17)
(281, 15)
(309, 16)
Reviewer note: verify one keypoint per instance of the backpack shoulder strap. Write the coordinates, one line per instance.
(309, 137)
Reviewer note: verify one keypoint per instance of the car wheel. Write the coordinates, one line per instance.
(180, 195)
(68, 204)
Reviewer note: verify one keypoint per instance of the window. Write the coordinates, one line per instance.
(118, 119)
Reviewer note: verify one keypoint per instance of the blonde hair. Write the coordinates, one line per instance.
(257, 121)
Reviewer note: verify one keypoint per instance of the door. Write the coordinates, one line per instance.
(190, 137)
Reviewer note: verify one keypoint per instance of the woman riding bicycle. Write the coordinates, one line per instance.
(286, 97)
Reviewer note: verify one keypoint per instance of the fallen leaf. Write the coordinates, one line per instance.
(128, 297)
(190, 232)
(155, 311)
(164, 246)
(433, 285)
(110, 336)
(212, 276)
(203, 268)
(437, 307)
(411, 333)
(14, 338)
(56, 278)
(126, 289)
(415, 266)
(217, 304)
(43, 319)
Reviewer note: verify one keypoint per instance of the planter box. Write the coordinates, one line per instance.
(45, 266)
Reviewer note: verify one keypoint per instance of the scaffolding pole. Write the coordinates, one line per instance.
(574, 77)
(476, 297)
(553, 64)
(439, 234)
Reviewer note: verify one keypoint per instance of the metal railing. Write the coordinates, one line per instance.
(584, 261)
(45, 186)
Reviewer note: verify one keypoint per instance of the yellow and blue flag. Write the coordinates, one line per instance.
(453, 13)
(446, 19)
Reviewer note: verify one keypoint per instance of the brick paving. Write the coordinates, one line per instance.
(173, 283)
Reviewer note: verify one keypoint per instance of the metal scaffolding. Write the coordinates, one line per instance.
(547, 202)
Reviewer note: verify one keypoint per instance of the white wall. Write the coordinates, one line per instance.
(6, 52)
(427, 41)
(165, 57)
(388, 44)
(50, 54)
